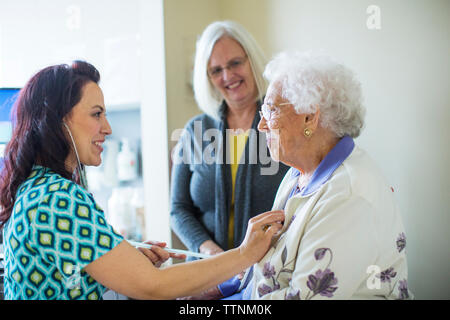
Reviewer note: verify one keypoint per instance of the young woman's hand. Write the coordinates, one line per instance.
(157, 255)
(259, 234)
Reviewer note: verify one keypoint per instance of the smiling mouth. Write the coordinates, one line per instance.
(99, 144)
(234, 85)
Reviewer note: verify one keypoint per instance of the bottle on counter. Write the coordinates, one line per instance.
(110, 178)
(121, 214)
(127, 166)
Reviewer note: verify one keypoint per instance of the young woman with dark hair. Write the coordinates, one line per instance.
(38, 136)
(58, 244)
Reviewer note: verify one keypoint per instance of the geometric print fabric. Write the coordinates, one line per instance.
(55, 230)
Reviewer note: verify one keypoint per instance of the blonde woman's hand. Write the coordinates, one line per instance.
(210, 247)
(259, 234)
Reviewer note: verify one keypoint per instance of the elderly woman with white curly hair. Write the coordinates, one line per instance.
(343, 236)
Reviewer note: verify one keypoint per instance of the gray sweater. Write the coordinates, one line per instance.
(201, 182)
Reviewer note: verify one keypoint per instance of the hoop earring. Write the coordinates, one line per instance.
(307, 132)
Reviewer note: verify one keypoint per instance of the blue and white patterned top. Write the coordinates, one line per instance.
(55, 230)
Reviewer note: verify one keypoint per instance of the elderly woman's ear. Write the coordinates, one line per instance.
(311, 122)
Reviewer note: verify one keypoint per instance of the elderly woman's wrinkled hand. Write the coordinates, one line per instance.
(157, 255)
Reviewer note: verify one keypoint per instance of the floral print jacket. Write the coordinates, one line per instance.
(342, 238)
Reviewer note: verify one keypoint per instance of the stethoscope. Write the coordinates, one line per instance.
(81, 170)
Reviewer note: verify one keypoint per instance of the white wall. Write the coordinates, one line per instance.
(38, 33)
(183, 23)
(405, 71)
(154, 121)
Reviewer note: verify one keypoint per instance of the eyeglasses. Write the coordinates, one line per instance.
(232, 65)
(267, 111)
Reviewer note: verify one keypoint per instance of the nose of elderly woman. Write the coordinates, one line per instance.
(262, 125)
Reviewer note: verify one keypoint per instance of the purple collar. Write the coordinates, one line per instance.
(327, 166)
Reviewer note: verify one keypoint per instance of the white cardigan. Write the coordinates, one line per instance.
(343, 238)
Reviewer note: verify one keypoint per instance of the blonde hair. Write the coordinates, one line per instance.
(208, 98)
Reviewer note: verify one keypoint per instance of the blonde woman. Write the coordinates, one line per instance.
(212, 201)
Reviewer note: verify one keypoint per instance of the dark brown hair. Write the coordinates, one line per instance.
(37, 119)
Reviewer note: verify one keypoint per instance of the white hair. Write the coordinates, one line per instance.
(310, 81)
(208, 98)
